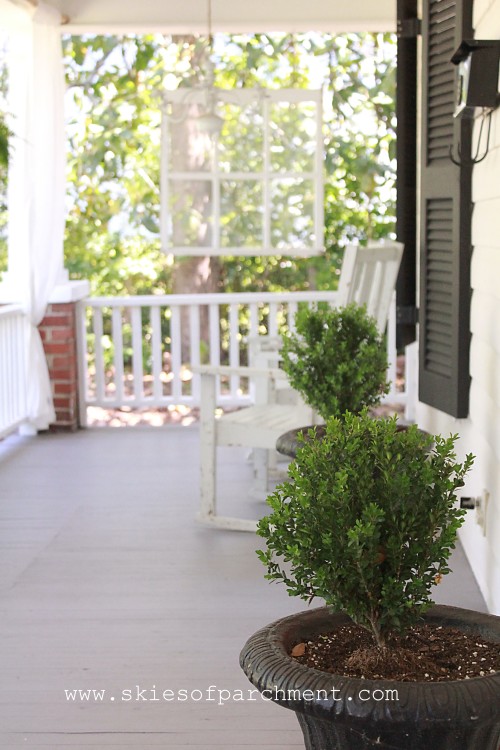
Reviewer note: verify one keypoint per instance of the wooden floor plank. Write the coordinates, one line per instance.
(106, 582)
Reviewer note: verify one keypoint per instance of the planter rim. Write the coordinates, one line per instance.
(268, 666)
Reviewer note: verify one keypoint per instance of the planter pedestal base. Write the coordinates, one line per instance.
(325, 735)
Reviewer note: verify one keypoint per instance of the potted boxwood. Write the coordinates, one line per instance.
(367, 522)
(336, 358)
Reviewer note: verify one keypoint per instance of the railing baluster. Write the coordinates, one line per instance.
(253, 332)
(234, 348)
(9, 358)
(14, 333)
(273, 319)
(6, 419)
(254, 319)
(156, 354)
(176, 356)
(137, 365)
(214, 326)
(100, 388)
(117, 333)
(194, 345)
(291, 313)
(82, 361)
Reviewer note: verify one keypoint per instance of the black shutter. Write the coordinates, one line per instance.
(445, 210)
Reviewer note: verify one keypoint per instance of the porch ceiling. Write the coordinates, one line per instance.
(113, 16)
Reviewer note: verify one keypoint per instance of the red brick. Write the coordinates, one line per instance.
(62, 408)
(66, 412)
(57, 330)
(62, 362)
(63, 388)
(51, 348)
(56, 320)
(62, 334)
(67, 375)
(63, 426)
(62, 402)
(61, 307)
(64, 415)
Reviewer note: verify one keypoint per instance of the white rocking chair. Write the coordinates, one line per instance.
(368, 277)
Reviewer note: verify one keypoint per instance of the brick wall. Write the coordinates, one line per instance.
(58, 332)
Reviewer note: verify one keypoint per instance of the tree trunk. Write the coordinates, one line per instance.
(189, 152)
(196, 275)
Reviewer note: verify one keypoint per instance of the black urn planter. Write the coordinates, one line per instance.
(288, 444)
(343, 713)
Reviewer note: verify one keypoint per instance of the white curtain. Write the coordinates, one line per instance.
(36, 197)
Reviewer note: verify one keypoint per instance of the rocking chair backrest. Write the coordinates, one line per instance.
(368, 277)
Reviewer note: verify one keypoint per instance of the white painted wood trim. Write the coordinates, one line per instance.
(240, 370)
(175, 353)
(82, 364)
(156, 352)
(117, 333)
(216, 298)
(194, 327)
(98, 355)
(137, 367)
(234, 348)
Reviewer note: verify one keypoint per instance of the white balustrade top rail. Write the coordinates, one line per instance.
(13, 333)
(139, 351)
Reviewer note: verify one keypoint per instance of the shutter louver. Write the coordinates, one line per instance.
(437, 348)
(445, 216)
(441, 76)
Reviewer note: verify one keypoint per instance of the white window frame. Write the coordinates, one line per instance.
(244, 97)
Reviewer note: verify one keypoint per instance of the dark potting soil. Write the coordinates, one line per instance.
(424, 654)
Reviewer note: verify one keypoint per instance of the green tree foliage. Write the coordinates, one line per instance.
(114, 143)
(4, 143)
(113, 113)
(112, 228)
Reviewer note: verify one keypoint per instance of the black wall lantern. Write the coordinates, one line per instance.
(478, 63)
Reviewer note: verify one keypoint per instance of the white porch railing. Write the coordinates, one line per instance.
(13, 336)
(137, 352)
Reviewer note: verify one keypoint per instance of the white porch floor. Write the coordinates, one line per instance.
(107, 583)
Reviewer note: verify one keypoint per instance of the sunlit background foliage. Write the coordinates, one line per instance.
(113, 126)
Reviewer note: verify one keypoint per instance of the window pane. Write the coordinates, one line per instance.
(188, 149)
(292, 213)
(190, 205)
(241, 213)
(292, 136)
(241, 141)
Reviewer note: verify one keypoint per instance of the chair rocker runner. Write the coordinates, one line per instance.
(368, 277)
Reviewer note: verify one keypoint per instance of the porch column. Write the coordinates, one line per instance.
(36, 190)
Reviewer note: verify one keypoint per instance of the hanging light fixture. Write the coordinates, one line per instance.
(210, 122)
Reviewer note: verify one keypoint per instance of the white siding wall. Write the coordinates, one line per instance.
(480, 433)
